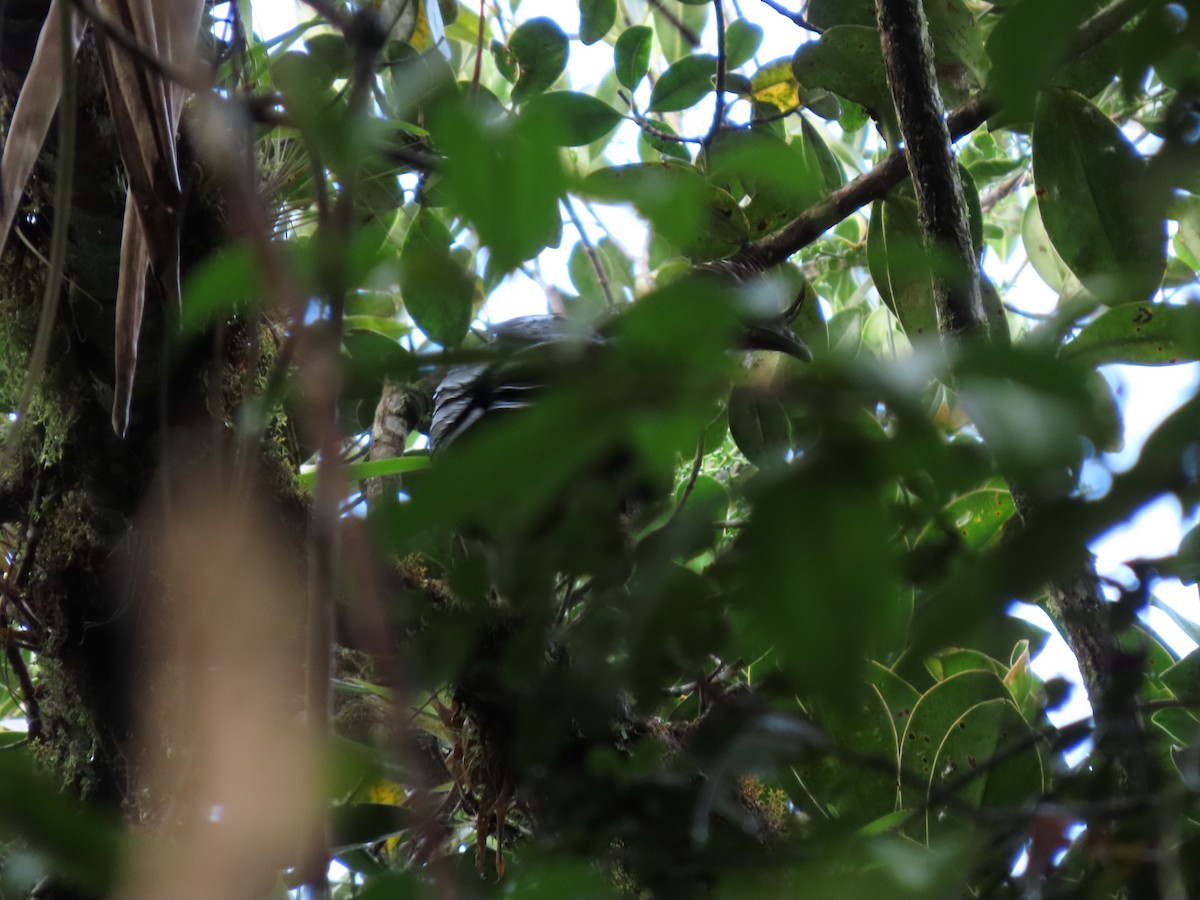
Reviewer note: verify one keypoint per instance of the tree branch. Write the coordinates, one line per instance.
(797, 234)
(1076, 601)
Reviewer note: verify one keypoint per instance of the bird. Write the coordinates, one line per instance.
(528, 348)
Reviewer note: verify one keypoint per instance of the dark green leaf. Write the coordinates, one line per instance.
(571, 119)
(631, 55)
(900, 266)
(654, 143)
(332, 52)
(684, 83)
(1140, 334)
(931, 720)
(541, 49)
(595, 18)
(971, 750)
(759, 426)
(219, 285)
(506, 61)
(510, 192)
(1093, 195)
(817, 151)
(437, 292)
(825, 14)
(742, 40)
(703, 221)
(1188, 557)
(1026, 47)
(848, 61)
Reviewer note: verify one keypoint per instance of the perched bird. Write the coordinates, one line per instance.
(527, 349)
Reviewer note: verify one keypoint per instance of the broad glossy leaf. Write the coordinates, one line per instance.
(437, 292)
(848, 61)
(1027, 45)
(899, 266)
(980, 515)
(631, 55)
(778, 177)
(742, 40)
(332, 50)
(1188, 557)
(541, 48)
(759, 425)
(817, 151)
(900, 696)
(863, 724)
(775, 84)
(933, 717)
(571, 119)
(1038, 247)
(684, 84)
(510, 193)
(615, 265)
(1094, 197)
(674, 40)
(970, 748)
(596, 17)
(1141, 334)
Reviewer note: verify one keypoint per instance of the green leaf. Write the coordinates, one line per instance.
(1186, 566)
(684, 83)
(596, 17)
(899, 265)
(703, 221)
(617, 268)
(332, 51)
(780, 178)
(971, 746)
(848, 61)
(1042, 255)
(375, 468)
(826, 14)
(506, 61)
(933, 717)
(817, 151)
(631, 55)
(219, 285)
(541, 48)
(437, 292)
(1026, 47)
(570, 119)
(979, 515)
(1093, 194)
(865, 724)
(742, 40)
(655, 144)
(774, 84)
(511, 192)
(759, 425)
(1140, 334)
(786, 543)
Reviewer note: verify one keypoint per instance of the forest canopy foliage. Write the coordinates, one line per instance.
(694, 621)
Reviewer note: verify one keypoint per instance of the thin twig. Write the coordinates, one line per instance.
(719, 106)
(690, 36)
(796, 17)
(592, 254)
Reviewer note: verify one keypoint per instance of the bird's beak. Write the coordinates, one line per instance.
(776, 336)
